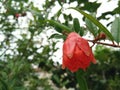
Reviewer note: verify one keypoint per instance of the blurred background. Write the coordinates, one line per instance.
(31, 48)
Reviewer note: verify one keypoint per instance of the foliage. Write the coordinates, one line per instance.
(29, 37)
(115, 30)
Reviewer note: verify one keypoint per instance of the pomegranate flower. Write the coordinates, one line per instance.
(77, 53)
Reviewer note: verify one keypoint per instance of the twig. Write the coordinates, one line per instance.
(113, 45)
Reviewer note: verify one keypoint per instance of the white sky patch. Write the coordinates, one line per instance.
(57, 57)
(38, 3)
(2, 37)
(54, 10)
(106, 6)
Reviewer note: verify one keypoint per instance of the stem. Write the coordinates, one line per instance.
(113, 45)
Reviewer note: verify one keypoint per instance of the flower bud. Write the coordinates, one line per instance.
(77, 53)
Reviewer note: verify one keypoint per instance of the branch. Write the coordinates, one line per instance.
(113, 45)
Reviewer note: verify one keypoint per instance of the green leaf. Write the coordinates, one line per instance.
(3, 85)
(56, 16)
(96, 22)
(91, 27)
(57, 36)
(77, 27)
(56, 78)
(87, 6)
(55, 23)
(115, 29)
(81, 80)
(59, 1)
(58, 13)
